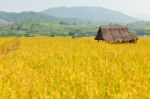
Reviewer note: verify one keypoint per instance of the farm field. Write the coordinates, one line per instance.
(80, 68)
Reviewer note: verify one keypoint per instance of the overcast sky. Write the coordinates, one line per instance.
(130, 7)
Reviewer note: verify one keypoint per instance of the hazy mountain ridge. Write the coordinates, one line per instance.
(140, 27)
(73, 14)
(25, 16)
(95, 14)
(4, 22)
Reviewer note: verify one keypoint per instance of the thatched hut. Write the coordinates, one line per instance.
(115, 34)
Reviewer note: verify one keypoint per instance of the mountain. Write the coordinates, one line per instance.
(25, 16)
(70, 15)
(95, 14)
(28, 16)
(2, 21)
(140, 27)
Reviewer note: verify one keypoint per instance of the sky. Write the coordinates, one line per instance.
(130, 7)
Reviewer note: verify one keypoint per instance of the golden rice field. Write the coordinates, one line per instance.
(66, 68)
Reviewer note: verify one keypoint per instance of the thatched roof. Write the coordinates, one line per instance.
(115, 33)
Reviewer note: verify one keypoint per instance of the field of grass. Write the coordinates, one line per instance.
(81, 68)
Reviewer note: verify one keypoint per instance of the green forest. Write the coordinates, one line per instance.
(46, 28)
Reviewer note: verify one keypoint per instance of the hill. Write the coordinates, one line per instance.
(4, 22)
(25, 16)
(140, 27)
(95, 14)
